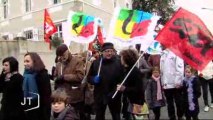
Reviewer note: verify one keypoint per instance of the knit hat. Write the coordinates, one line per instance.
(61, 49)
(107, 45)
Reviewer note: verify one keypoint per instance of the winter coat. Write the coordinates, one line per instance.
(73, 74)
(151, 95)
(144, 66)
(44, 90)
(134, 86)
(145, 69)
(172, 69)
(67, 114)
(154, 60)
(196, 94)
(11, 108)
(111, 74)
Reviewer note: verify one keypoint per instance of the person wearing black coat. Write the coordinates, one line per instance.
(36, 80)
(105, 73)
(133, 91)
(154, 93)
(11, 87)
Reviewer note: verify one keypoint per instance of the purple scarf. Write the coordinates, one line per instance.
(190, 92)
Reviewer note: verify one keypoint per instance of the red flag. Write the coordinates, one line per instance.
(188, 37)
(49, 27)
(96, 44)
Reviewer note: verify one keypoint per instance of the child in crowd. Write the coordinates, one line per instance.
(191, 93)
(154, 93)
(60, 109)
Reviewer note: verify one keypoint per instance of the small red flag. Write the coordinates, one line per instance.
(49, 27)
(188, 37)
(97, 43)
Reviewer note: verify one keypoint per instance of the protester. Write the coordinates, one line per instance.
(105, 83)
(69, 75)
(133, 86)
(53, 70)
(145, 69)
(11, 87)
(172, 71)
(191, 93)
(206, 80)
(37, 86)
(61, 110)
(87, 87)
(154, 60)
(154, 93)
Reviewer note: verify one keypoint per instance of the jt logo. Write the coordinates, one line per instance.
(28, 101)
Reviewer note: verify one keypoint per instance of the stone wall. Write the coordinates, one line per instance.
(19, 48)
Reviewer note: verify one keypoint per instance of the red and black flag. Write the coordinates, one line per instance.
(188, 37)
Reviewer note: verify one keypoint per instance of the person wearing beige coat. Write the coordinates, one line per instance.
(69, 75)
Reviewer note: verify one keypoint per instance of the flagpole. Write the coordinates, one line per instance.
(86, 66)
(132, 68)
(129, 72)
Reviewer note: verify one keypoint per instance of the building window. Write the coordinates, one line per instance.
(5, 37)
(59, 30)
(28, 34)
(56, 1)
(5, 8)
(28, 5)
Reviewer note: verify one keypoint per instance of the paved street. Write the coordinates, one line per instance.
(164, 116)
(202, 116)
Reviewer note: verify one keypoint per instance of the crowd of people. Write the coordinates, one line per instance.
(85, 84)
